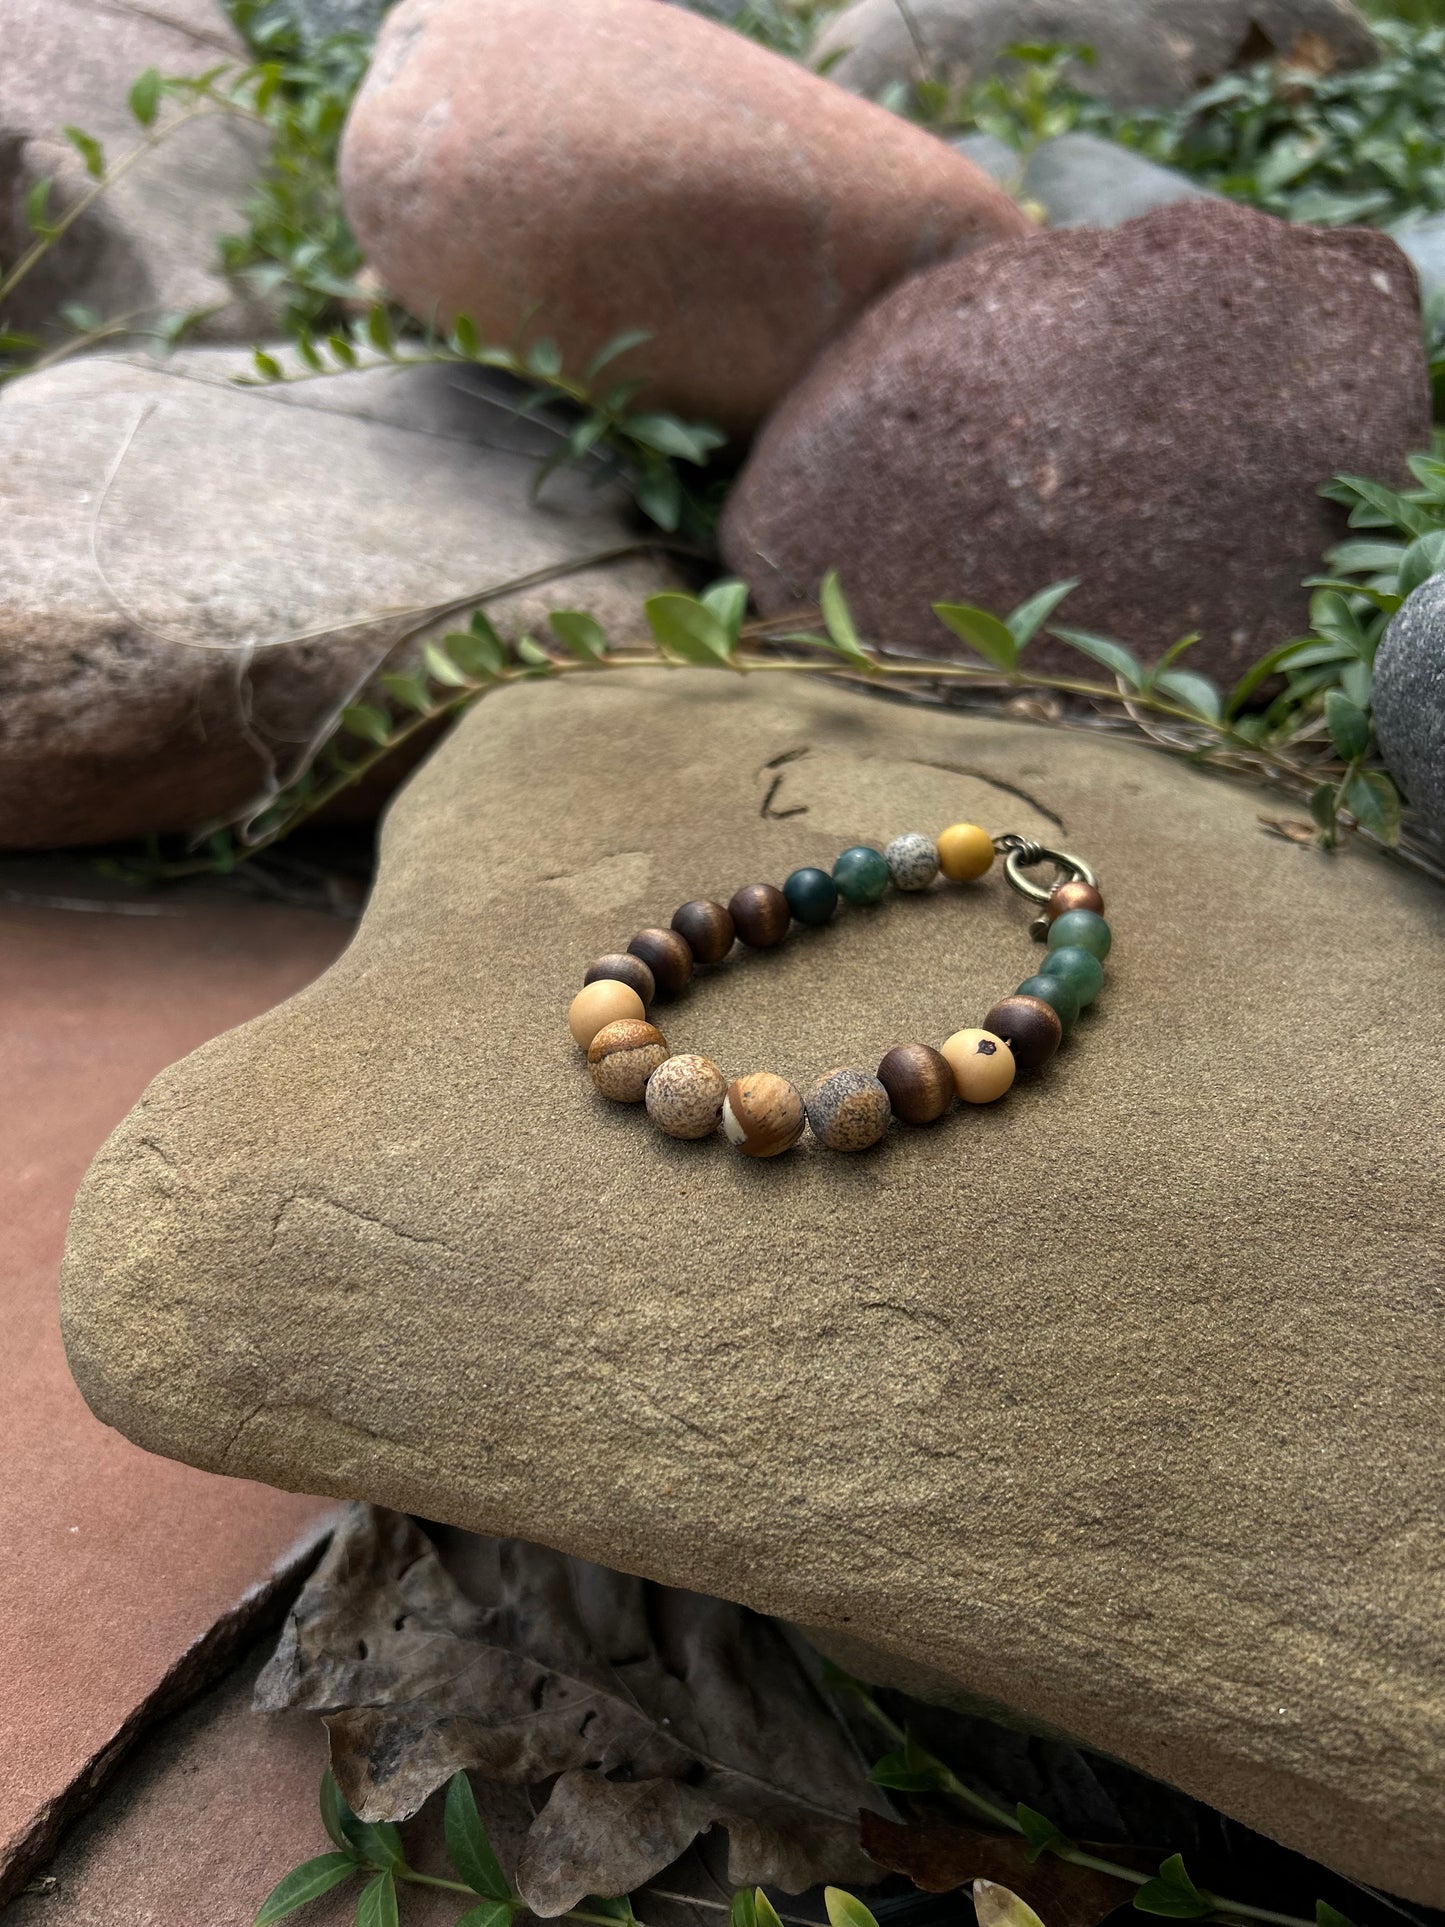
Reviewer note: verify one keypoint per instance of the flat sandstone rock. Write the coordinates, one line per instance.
(1118, 1402)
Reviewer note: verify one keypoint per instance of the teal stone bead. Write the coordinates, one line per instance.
(1057, 992)
(1080, 969)
(861, 874)
(812, 895)
(1082, 930)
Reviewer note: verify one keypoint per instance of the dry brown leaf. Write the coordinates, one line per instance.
(939, 1857)
(663, 1713)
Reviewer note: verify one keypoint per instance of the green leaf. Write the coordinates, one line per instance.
(89, 150)
(1348, 725)
(764, 1912)
(729, 603)
(1324, 808)
(1328, 1916)
(580, 634)
(37, 203)
(742, 1910)
(998, 1906)
(268, 367)
(532, 653)
(846, 1910)
(335, 1814)
(1424, 557)
(1176, 650)
(377, 1906)
(1192, 691)
(441, 667)
(687, 629)
(81, 316)
(378, 329)
(659, 496)
(1113, 655)
(410, 691)
(465, 338)
(1374, 802)
(904, 1771)
(342, 349)
(304, 1884)
(1029, 617)
(1385, 599)
(365, 719)
(145, 96)
(491, 1913)
(1374, 500)
(1258, 673)
(467, 1842)
(838, 621)
(984, 633)
(666, 435)
(1365, 558)
(619, 345)
(1040, 1834)
(478, 651)
(1173, 1893)
(544, 359)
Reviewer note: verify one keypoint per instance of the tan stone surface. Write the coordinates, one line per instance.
(618, 165)
(1118, 1401)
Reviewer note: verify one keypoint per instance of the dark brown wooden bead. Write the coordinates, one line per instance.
(667, 956)
(1029, 1027)
(624, 969)
(706, 928)
(761, 915)
(1073, 896)
(919, 1082)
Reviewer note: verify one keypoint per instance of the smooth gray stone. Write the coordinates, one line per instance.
(1003, 163)
(1410, 701)
(1425, 245)
(1083, 180)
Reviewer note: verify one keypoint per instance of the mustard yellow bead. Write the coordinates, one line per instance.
(602, 1002)
(964, 852)
(983, 1065)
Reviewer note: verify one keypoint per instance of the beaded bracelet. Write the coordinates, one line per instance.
(847, 1110)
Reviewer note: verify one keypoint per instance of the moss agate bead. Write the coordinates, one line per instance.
(983, 1065)
(1030, 1027)
(861, 874)
(761, 914)
(1082, 930)
(912, 861)
(847, 1109)
(602, 1002)
(667, 956)
(762, 1115)
(919, 1082)
(706, 928)
(1057, 992)
(1079, 969)
(624, 969)
(685, 1096)
(964, 852)
(1072, 895)
(812, 895)
(622, 1056)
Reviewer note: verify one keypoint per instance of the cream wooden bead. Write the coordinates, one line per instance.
(598, 1004)
(983, 1065)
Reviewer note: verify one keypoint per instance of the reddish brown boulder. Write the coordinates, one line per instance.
(622, 165)
(1150, 409)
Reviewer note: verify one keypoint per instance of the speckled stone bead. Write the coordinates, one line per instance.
(1080, 969)
(624, 968)
(1073, 895)
(760, 912)
(667, 956)
(861, 874)
(847, 1109)
(1082, 930)
(919, 1082)
(912, 861)
(983, 1065)
(622, 1056)
(763, 1114)
(706, 928)
(1029, 1027)
(964, 852)
(685, 1096)
(602, 1002)
(812, 895)
(1057, 992)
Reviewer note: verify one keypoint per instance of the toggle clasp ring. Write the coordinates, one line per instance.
(1020, 853)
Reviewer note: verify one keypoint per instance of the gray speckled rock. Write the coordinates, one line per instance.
(1410, 700)
(1425, 245)
(1083, 180)
(1004, 163)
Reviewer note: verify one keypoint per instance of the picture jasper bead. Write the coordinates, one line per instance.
(983, 1065)
(685, 1096)
(1080, 969)
(762, 1114)
(622, 1056)
(706, 928)
(1074, 895)
(919, 1082)
(760, 912)
(1083, 930)
(598, 1004)
(861, 874)
(964, 852)
(624, 968)
(912, 861)
(812, 895)
(1057, 992)
(847, 1109)
(1030, 1027)
(667, 956)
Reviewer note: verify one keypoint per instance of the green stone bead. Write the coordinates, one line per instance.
(812, 895)
(1079, 969)
(1083, 930)
(1057, 992)
(861, 874)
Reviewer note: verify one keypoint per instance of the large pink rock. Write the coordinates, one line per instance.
(608, 165)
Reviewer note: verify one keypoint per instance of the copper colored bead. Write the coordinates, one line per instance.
(624, 969)
(667, 956)
(919, 1082)
(1073, 896)
(762, 1114)
(623, 1056)
(761, 915)
(1029, 1027)
(706, 928)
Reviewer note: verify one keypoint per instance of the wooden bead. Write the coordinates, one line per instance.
(983, 1065)
(1030, 1028)
(762, 1114)
(964, 852)
(624, 969)
(667, 956)
(598, 1004)
(919, 1082)
(1073, 895)
(685, 1096)
(622, 1056)
(847, 1109)
(761, 914)
(706, 928)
